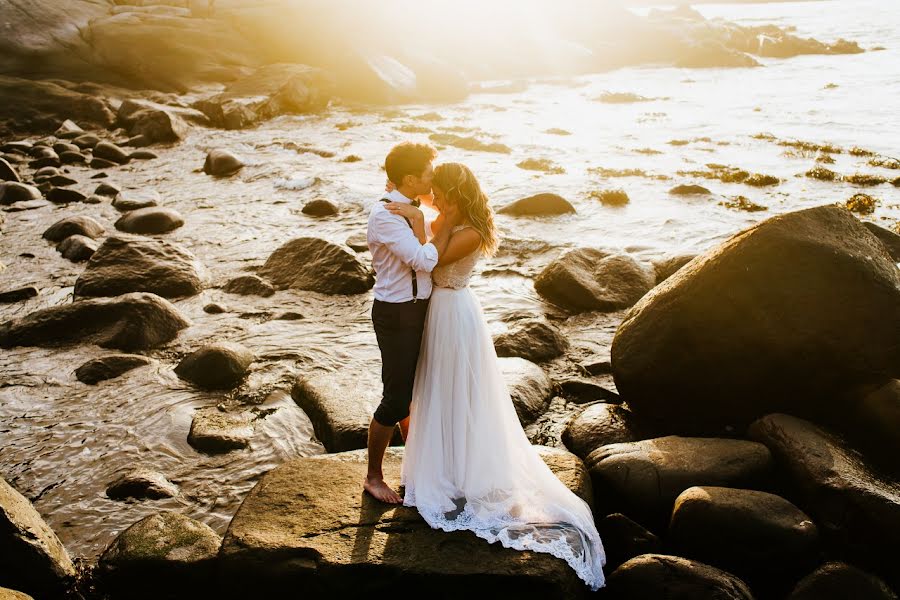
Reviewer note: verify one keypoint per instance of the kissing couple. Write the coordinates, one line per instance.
(468, 464)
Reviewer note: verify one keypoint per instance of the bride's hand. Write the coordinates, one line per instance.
(407, 211)
(389, 186)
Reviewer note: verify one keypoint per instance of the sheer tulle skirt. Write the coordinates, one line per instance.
(468, 464)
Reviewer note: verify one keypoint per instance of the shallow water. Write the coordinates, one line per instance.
(62, 442)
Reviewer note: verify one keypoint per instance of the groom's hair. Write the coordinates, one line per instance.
(408, 158)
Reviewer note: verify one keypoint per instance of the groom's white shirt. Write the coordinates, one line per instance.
(395, 251)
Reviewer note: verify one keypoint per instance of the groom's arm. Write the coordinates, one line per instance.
(400, 239)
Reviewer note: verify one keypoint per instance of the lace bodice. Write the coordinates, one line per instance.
(456, 275)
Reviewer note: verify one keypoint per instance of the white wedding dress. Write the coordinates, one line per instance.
(467, 463)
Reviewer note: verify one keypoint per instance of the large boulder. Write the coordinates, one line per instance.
(838, 581)
(126, 263)
(109, 367)
(590, 279)
(642, 479)
(129, 322)
(157, 125)
(656, 576)
(599, 425)
(531, 339)
(307, 525)
(538, 205)
(216, 366)
(623, 539)
(890, 239)
(159, 554)
(529, 387)
(857, 508)
(33, 558)
(12, 192)
(766, 331)
(271, 91)
(317, 265)
(34, 104)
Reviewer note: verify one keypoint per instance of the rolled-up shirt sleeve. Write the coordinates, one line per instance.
(396, 234)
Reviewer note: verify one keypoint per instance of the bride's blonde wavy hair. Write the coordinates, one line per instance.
(460, 186)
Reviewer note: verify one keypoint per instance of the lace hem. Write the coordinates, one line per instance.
(499, 529)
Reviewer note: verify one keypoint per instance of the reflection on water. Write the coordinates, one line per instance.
(63, 442)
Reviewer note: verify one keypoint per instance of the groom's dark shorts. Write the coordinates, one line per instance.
(398, 328)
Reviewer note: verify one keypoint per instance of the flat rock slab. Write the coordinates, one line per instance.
(308, 525)
(215, 431)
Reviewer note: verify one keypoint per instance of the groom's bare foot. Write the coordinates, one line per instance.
(381, 491)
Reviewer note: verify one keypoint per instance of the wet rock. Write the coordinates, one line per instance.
(358, 242)
(320, 207)
(589, 279)
(469, 143)
(655, 576)
(216, 431)
(12, 192)
(667, 266)
(760, 537)
(611, 197)
(68, 130)
(107, 189)
(642, 479)
(541, 164)
(7, 172)
(528, 385)
(290, 316)
(77, 225)
(689, 190)
(18, 294)
(862, 204)
(214, 308)
(822, 174)
(623, 539)
(127, 200)
(20, 147)
(129, 322)
(874, 422)
(141, 483)
(44, 174)
(62, 180)
(249, 285)
(77, 248)
(742, 203)
(582, 391)
(70, 158)
(64, 196)
(93, 199)
(109, 367)
(272, 90)
(217, 366)
(304, 507)
(317, 265)
(111, 152)
(34, 559)
(143, 155)
(50, 159)
(890, 239)
(150, 220)
(8, 594)
(790, 341)
(538, 205)
(222, 163)
(125, 263)
(60, 147)
(102, 163)
(531, 339)
(40, 104)
(599, 425)
(163, 552)
(156, 125)
(837, 581)
(852, 503)
(86, 141)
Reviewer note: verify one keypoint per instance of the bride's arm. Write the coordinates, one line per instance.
(462, 243)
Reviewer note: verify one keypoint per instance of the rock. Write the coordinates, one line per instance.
(468, 143)
(611, 197)
(107, 189)
(64, 196)
(109, 367)
(87, 141)
(589, 279)
(143, 155)
(77, 248)
(69, 158)
(161, 553)
(51, 159)
(791, 342)
(68, 130)
(713, 55)
(272, 90)
(150, 220)
(874, 421)
(41, 104)
(890, 239)
(60, 147)
(62, 181)
(760, 537)
(127, 200)
(157, 126)
(8, 594)
(78, 225)
(305, 507)
(142, 483)
(655, 576)
(529, 387)
(20, 147)
(837, 581)
(249, 285)
(102, 163)
(11, 192)
(623, 539)
(538, 205)
(688, 190)
(317, 265)
(111, 152)
(222, 163)
(214, 308)
(129, 322)
(34, 560)
(216, 366)
(126, 263)
(534, 340)
(581, 390)
(7, 172)
(358, 242)
(215, 431)
(599, 425)
(852, 503)
(666, 267)
(642, 479)
(320, 207)
(18, 294)
(289, 316)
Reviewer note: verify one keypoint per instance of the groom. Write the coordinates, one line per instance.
(403, 265)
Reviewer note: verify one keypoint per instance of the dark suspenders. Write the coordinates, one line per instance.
(415, 284)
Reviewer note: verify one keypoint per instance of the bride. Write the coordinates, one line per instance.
(468, 464)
